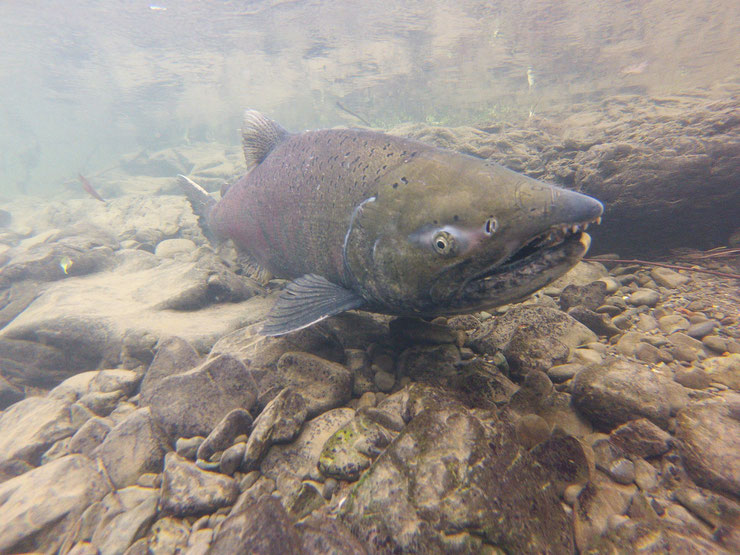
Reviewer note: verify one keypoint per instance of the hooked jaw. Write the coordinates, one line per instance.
(543, 256)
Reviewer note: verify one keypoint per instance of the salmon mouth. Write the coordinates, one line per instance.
(539, 262)
(541, 245)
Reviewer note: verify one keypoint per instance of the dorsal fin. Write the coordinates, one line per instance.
(259, 136)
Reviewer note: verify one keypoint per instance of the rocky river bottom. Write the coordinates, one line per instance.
(142, 413)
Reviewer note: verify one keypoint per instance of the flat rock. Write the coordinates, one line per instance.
(83, 323)
(192, 403)
(300, 458)
(709, 441)
(135, 446)
(188, 490)
(668, 278)
(450, 482)
(31, 426)
(323, 384)
(622, 391)
(40, 506)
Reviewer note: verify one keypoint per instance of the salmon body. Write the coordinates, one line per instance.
(361, 219)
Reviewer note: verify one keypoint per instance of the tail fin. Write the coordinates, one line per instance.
(201, 202)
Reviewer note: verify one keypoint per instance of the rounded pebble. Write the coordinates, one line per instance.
(367, 400)
(384, 381)
(232, 458)
(701, 329)
(622, 471)
(571, 493)
(170, 248)
(564, 372)
(715, 343)
(646, 297)
(330, 486)
(672, 323)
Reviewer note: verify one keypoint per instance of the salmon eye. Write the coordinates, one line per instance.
(443, 243)
(490, 226)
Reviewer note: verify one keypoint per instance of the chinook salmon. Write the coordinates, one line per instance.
(363, 220)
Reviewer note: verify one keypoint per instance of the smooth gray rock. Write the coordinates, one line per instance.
(39, 507)
(279, 422)
(100, 403)
(192, 403)
(709, 443)
(644, 297)
(188, 447)
(622, 391)
(451, 481)
(135, 446)
(235, 423)
(231, 459)
(323, 384)
(668, 278)
(188, 490)
(31, 426)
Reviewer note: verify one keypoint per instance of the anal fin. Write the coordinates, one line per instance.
(307, 300)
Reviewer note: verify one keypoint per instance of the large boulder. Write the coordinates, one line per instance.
(451, 482)
(115, 316)
(621, 391)
(532, 337)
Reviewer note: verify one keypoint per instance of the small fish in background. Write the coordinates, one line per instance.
(65, 264)
(634, 69)
(89, 189)
(530, 78)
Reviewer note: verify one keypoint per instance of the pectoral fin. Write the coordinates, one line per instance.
(307, 300)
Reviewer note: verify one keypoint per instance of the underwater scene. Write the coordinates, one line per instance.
(349, 277)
